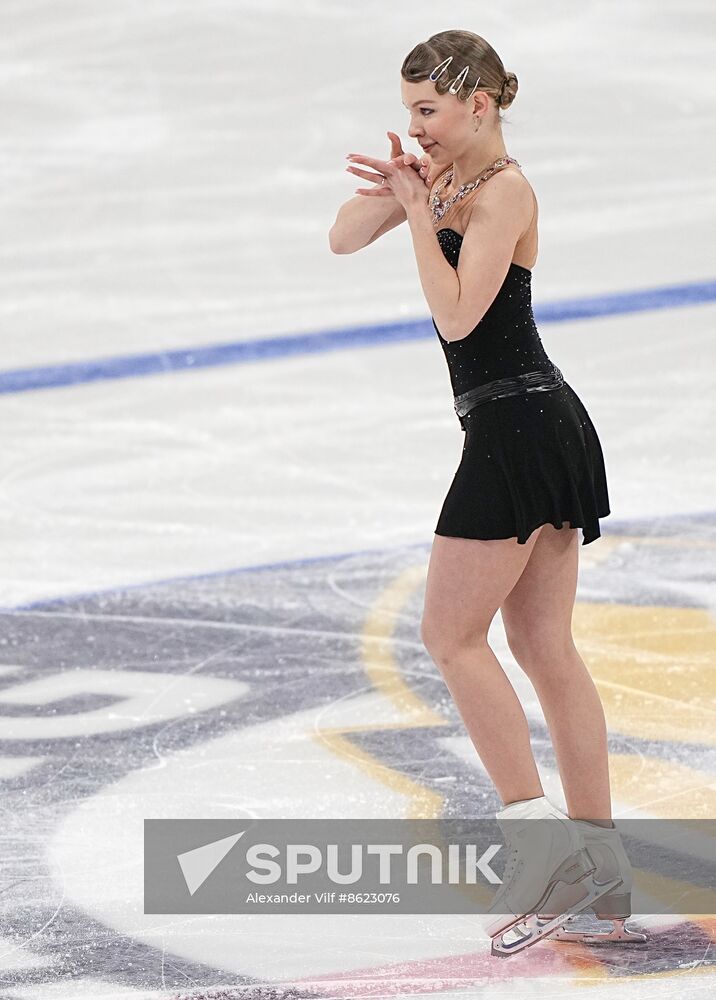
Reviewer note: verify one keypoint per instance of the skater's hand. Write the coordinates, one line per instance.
(422, 165)
(400, 176)
(399, 158)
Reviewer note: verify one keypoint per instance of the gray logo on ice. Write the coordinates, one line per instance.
(198, 864)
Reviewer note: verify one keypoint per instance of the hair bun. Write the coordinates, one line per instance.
(507, 91)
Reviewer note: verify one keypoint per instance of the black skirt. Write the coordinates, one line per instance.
(527, 460)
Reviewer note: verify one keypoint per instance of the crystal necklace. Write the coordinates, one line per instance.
(439, 207)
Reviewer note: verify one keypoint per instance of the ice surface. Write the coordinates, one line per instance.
(206, 574)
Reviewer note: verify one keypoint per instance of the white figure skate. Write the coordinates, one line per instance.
(606, 848)
(544, 855)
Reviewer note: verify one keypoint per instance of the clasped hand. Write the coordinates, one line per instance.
(406, 176)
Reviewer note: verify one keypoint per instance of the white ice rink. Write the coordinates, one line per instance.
(224, 457)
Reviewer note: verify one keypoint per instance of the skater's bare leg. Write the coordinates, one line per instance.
(468, 579)
(537, 615)
(575, 716)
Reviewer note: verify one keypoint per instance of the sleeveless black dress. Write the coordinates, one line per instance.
(527, 459)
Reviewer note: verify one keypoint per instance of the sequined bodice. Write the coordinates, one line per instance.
(506, 341)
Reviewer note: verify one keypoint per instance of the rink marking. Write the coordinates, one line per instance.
(383, 671)
(192, 623)
(639, 656)
(343, 338)
(380, 664)
(607, 542)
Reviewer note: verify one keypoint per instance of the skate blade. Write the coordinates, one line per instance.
(537, 928)
(618, 932)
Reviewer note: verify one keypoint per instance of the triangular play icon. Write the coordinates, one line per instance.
(198, 864)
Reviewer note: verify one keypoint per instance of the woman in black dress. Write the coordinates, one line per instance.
(532, 470)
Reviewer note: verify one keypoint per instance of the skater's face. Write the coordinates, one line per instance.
(440, 119)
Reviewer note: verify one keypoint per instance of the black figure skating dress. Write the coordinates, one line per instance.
(531, 454)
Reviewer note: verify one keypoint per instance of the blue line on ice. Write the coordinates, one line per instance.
(267, 348)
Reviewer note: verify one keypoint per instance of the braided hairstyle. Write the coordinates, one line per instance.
(467, 49)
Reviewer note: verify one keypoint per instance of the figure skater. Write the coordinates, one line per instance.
(531, 473)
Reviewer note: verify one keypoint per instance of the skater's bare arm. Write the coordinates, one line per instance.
(361, 220)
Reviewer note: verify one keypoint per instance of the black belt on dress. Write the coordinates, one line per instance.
(539, 381)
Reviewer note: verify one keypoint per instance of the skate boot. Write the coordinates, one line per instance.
(606, 848)
(546, 853)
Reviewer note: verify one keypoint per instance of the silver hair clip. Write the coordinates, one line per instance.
(441, 67)
(459, 80)
(473, 89)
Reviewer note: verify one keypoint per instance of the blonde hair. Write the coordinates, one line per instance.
(467, 49)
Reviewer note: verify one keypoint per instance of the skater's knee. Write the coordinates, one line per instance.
(541, 650)
(449, 642)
